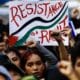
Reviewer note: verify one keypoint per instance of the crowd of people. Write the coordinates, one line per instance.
(36, 62)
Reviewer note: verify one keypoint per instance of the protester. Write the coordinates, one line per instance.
(3, 38)
(38, 60)
(35, 62)
(69, 65)
(75, 17)
(71, 68)
(15, 72)
(14, 56)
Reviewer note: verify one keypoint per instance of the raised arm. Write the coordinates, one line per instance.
(49, 56)
(63, 53)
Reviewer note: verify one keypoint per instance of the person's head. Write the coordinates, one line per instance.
(4, 31)
(4, 74)
(2, 46)
(5, 36)
(33, 62)
(3, 40)
(75, 57)
(15, 72)
(74, 13)
(14, 56)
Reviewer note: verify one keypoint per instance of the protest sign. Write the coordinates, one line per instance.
(36, 20)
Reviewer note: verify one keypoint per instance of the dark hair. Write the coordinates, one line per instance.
(29, 52)
(77, 37)
(13, 67)
(1, 37)
(21, 47)
(4, 60)
(75, 53)
(3, 28)
(13, 49)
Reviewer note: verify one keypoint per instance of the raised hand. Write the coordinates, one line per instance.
(65, 67)
(31, 43)
(66, 31)
(62, 50)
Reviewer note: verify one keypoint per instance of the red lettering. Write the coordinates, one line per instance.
(60, 27)
(57, 6)
(44, 35)
(60, 4)
(50, 38)
(46, 8)
(64, 21)
(40, 11)
(35, 8)
(29, 9)
(57, 27)
(50, 12)
(14, 13)
(22, 11)
(53, 9)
